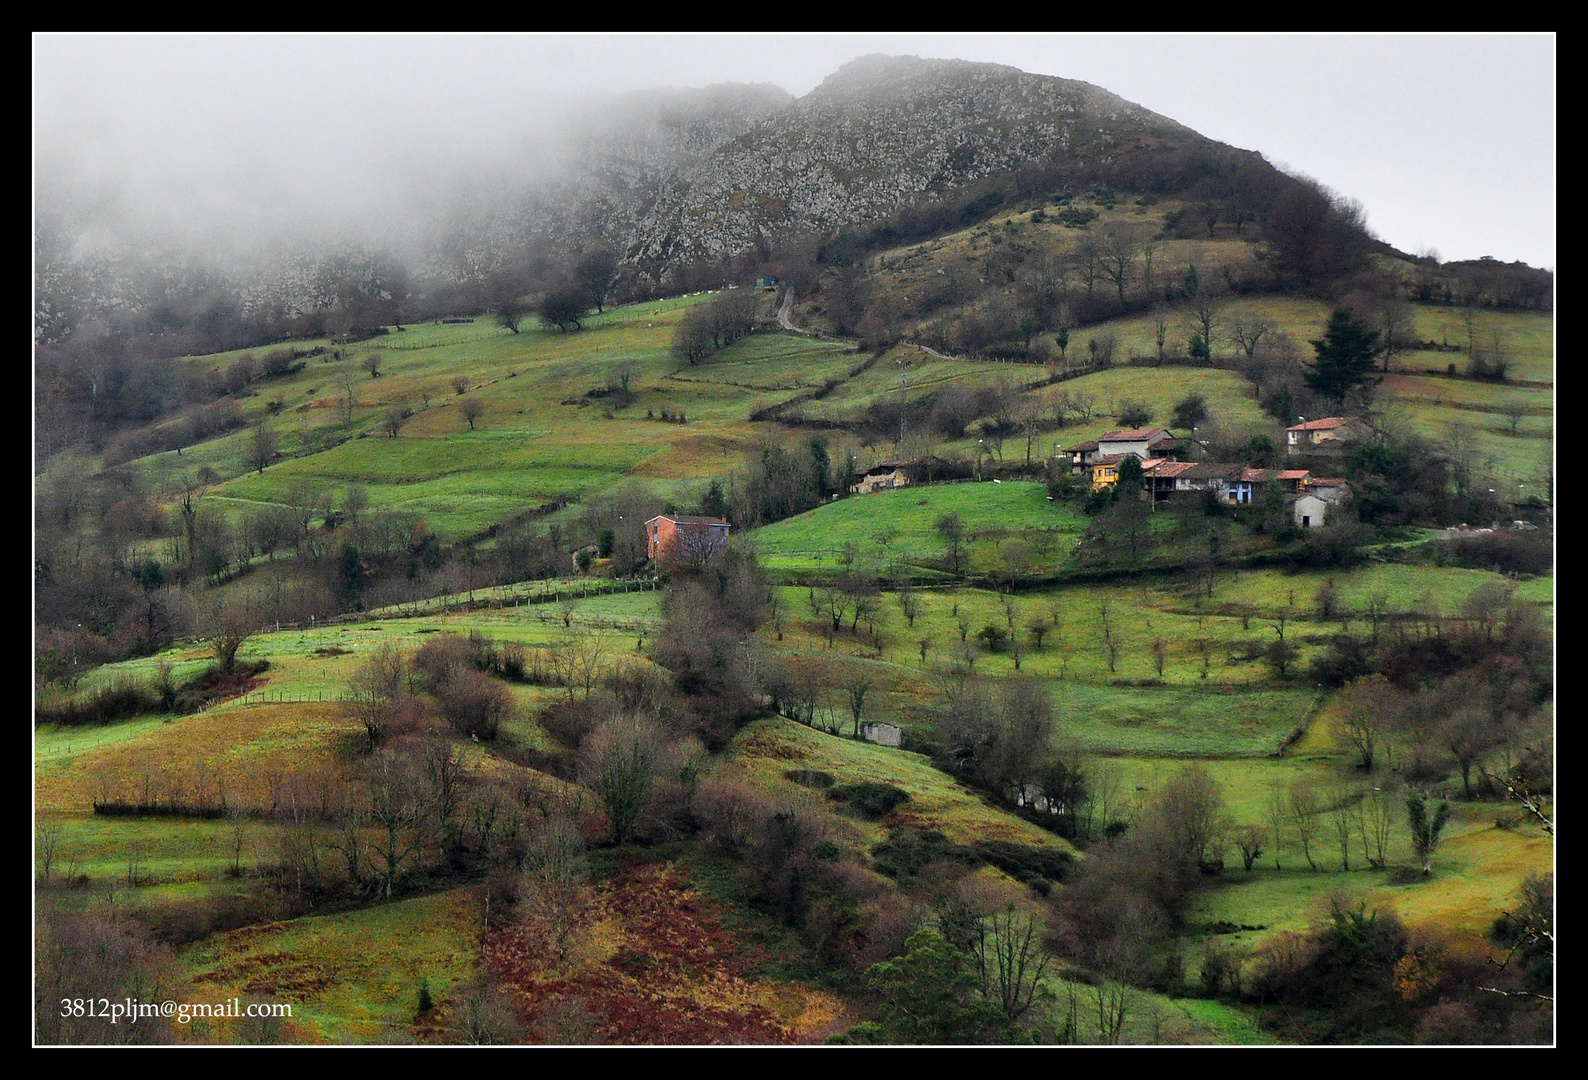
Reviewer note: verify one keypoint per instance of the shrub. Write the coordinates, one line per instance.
(444, 656)
(1346, 659)
(811, 778)
(121, 699)
(873, 800)
(1133, 414)
(906, 852)
(1026, 863)
(992, 638)
(1519, 552)
(474, 704)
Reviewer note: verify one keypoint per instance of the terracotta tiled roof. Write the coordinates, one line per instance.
(1295, 474)
(1171, 469)
(1211, 470)
(689, 519)
(1090, 444)
(1326, 424)
(1332, 481)
(1134, 434)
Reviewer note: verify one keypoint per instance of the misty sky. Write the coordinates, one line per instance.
(1448, 141)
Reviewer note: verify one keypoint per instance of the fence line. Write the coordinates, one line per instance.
(417, 609)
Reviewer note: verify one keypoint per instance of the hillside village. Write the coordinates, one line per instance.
(904, 632)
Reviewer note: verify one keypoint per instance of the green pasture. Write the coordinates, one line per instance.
(175, 858)
(774, 363)
(352, 977)
(766, 749)
(1244, 612)
(899, 526)
(1526, 337)
(1478, 869)
(543, 433)
(1153, 1019)
(306, 662)
(1228, 396)
(1185, 722)
(926, 374)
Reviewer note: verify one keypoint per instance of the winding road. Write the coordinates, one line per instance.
(782, 312)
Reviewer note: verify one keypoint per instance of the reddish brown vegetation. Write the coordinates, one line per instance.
(675, 977)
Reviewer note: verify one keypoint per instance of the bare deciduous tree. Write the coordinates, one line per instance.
(394, 419)
(1011, 958)
(620, 760)
(1121, 244)
(377, 686)
(1249, 840)
(554, 887)
(1304, 810)
(262, 445)
(397, 808)
(1248, 332)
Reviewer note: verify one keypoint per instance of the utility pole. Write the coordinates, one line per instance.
(904, 367)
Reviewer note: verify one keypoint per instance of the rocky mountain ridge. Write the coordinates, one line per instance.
(664, 179)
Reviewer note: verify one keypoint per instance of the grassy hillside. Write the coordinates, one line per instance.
(1148, 668)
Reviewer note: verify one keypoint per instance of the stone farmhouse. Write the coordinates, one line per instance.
(1329, 433)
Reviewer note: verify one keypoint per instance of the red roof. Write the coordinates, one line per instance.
(1171, 469)
(689, 519)
(1328, 423)
(1210, 470)
(1134, 435)
(1332, 481)
(1295, 474)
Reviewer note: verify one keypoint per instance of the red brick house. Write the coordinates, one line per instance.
(684, 536)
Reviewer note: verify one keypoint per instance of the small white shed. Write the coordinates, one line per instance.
(1309, 511)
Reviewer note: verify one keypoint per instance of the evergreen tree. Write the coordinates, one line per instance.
(1345, 357)
(931, 995)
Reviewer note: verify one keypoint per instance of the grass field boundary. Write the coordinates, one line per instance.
(447, 605)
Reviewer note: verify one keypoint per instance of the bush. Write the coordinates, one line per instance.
(906, 852)
(871, 799)
(992, 638)
(1133, 414)
(1346, 659)
(811, 778)
(474, 704)
(444, 656)
(1508, 552)
(1190, 411)
(119, 700)
(1026, 863)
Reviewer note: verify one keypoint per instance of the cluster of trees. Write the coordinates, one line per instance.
(779, 481)
(706, 328)
(103, 596)
(1434, 694)
(1362, 976)
(1001, 736)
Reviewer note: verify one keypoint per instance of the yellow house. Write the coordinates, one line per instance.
(1105, 470)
